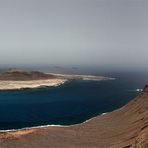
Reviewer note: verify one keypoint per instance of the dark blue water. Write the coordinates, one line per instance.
(71, 103)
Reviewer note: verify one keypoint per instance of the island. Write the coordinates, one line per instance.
(18, 79)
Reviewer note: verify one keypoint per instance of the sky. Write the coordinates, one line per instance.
(102, 33)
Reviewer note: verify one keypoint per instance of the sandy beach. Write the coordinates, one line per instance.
(81, 77)
(10, 85)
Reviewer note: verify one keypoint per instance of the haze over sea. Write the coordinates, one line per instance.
(71, 103)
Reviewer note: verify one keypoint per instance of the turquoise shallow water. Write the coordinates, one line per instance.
(71, 103)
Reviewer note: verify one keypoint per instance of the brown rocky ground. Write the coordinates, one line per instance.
(126, 127)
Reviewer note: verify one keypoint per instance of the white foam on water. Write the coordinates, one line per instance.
(49, 125)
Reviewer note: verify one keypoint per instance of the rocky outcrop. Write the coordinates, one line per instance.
(145, 88)
(126, 127)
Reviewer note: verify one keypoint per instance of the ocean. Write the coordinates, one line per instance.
(71, 103)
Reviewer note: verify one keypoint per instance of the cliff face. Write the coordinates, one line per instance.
(145, 88)
(126, 127)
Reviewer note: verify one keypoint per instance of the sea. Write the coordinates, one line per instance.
(71, 103)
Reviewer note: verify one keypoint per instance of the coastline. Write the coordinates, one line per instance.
(81, 77)
(50, 125)
(104, 130)
(48, 80)
(12, 85)
(124, 127)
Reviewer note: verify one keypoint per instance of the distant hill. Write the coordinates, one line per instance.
(20, 75)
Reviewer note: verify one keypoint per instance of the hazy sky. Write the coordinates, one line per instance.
(111, 33)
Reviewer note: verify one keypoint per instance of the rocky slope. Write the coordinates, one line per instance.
(126, 127)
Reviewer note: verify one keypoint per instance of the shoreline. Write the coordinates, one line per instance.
(17, 85)
(58, 79)
(81, 77)
(51, 125)
(119, 128)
